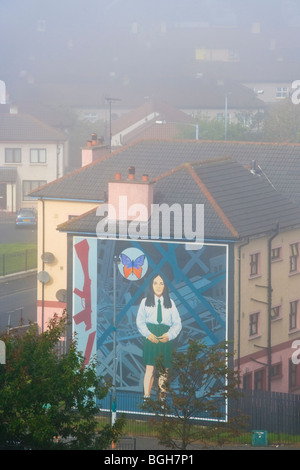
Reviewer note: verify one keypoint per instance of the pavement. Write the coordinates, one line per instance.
(151, 444)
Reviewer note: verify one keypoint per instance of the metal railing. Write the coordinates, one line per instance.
(276, 413)
(11, 263)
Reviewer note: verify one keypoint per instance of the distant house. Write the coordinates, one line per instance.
(153, 119)
(251, 209)
(31, 155)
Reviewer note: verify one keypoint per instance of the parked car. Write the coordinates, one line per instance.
(26, 218)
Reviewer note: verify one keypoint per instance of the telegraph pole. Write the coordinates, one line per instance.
(110, 100)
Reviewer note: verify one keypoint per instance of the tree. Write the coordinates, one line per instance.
(48, 401)
(196, 386)
(79, 132)
(282, 123)
(214, 129)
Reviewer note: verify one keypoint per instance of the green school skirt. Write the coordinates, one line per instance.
(152, 350)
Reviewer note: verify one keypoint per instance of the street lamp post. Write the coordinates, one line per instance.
(110, 101)
(116, 261)
(226, 116)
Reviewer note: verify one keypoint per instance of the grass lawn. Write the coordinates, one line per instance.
(16, 257)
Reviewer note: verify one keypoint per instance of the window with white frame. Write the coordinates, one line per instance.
(13, 155)
(282, 92)
(38, 156)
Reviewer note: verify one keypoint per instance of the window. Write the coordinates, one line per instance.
(233, 55)
(276, 370)
(275, 312)
(293, 314)
(29, 186)
(253, 324)
(254, 264)
(12, 155)
(294, 254)
(276, 254)
(90, 116)
(294, 375)
(281, 92)
(247, 381)
(38, 156)
(259, 380)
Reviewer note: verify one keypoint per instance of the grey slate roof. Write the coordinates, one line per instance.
(25, 128)
(236, 203)
(250, 204)
(280, 165)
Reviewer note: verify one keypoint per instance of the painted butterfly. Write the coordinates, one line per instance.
(132, 266)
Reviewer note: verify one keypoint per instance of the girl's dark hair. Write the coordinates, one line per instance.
(150, 302)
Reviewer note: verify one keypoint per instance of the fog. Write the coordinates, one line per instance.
(132, 48)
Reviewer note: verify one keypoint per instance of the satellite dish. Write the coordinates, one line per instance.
(48, 257)
(43, 277)
(61, 295)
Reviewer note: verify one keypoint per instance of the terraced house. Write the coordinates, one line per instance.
(240, 283)
(31, 154)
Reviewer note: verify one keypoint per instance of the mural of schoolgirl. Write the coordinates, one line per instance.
(159, 322)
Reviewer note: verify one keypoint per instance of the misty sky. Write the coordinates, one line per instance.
(65, 40)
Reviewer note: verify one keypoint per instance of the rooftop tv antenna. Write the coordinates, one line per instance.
(110, 100)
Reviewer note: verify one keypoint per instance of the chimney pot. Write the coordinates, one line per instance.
(145, 178)
(118, 176)
(131, 173)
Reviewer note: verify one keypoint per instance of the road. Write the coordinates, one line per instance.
(10, 234)
(18, 299)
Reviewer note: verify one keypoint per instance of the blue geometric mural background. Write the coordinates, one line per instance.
(197, 283)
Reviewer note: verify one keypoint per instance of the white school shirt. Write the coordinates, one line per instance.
(170, 317)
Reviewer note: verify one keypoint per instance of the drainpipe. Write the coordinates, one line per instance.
(239, 313)
(269, 346)
(57, 160)
(43, 262)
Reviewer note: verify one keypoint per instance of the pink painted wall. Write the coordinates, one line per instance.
(281, 354)
(50, 309)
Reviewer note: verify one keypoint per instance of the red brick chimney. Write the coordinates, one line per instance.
(126, 194)
(93, 150)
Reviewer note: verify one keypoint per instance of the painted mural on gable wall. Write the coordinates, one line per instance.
(127, 277)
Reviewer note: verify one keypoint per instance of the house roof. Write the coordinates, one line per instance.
(236, 202)
(160, 109)
(142, 121)
(279, 164)
(25, 128)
